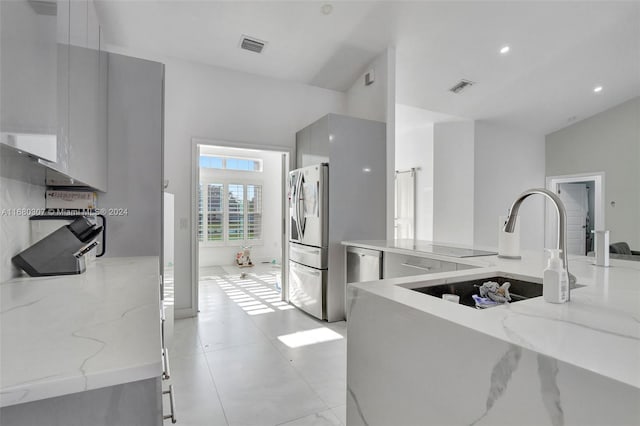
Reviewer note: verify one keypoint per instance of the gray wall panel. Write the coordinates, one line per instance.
(135, 93)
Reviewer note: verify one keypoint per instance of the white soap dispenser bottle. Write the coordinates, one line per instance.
(555, 283)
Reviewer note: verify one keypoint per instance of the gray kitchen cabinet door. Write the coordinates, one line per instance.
(87, 141)
(62, 102)
(401, 265)
(312, 144)
(28, 63)
(303, 140)
(135, 120)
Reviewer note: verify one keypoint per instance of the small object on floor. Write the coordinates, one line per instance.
(496, 292)
(243, 258)
(243, 275)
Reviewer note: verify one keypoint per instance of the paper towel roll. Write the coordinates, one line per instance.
(508, 242)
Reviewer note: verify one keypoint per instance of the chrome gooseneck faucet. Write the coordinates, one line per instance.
(562, 224)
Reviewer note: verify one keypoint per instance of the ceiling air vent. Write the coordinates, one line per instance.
(252, 44)
(461, 85)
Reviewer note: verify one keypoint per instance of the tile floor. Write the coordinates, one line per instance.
(250, 359)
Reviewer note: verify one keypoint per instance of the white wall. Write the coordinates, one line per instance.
(370, 102)
(507, 162)
(414, 148)
(14, 228)
(218, 104)
(608, 142)
(453, 182)
(270, 178)
(378, 102)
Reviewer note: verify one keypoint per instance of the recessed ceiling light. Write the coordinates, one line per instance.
(504, 50)
(326, 9)
(597, 89)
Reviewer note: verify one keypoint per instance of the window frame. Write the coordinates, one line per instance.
(226, 158)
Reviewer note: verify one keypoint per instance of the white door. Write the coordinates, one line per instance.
(574, 197)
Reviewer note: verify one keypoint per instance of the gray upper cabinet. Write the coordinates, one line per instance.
(28, 76)
(312, 144)
(86, 150)
(54, 88)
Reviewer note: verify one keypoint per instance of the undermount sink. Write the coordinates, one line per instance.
(519, 290)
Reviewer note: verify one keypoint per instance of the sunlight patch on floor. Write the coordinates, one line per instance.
(255, 293)
(309, 337)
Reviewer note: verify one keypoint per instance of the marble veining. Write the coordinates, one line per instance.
(21, 306)
(84, 361)
(357, 404)
(500, 376)
(68, 334)
(577, 324)
(548, 374)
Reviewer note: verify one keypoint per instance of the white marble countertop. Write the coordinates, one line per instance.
(598, 330)
(67, 334)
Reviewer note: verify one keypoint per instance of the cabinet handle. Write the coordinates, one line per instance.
(166, 374)
(162, 321)
(310, 251)
(424, 268)
(172, 405)
(306, 271)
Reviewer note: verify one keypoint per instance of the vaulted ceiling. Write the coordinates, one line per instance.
(559, 51)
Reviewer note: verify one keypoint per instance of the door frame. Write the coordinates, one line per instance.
(552, 183)
(195, 179)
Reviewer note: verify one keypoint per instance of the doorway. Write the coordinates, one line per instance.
(583, 198)
(238, 202)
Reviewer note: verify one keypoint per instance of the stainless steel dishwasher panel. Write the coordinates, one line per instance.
(363, 265)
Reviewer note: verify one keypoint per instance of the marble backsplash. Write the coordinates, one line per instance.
(14, 223)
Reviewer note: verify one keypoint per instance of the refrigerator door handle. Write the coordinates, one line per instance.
(294, 203)
(307, 271)
(300, 200)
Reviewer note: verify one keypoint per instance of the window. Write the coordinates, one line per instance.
(235, 230)
(254, 212)
(214, 212)
(228, 163)
(232, 218)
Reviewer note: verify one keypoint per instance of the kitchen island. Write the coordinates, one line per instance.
(414, 359)
(82, 349)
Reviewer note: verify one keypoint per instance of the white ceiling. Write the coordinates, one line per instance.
(559, 50)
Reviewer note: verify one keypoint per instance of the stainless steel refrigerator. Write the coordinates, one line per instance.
(309, 239)
(337, 193)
